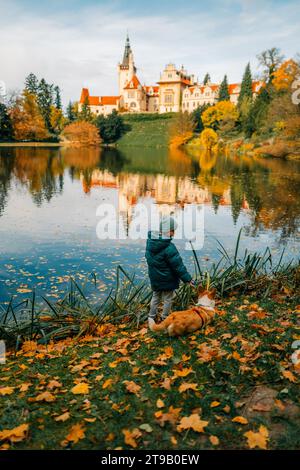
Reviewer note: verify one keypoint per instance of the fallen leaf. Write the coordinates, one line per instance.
(80, 388)
(45, 396)
(76, 433)
(240, 419)
(214, 440)
(182, 373)
(54, 384)
(16, 434)
(6, 390)
(131, 436)
(107, 383)
(214, 404)
(289, 375)
(258, 439)
(187, 386)
(63, 417)
(132, 387)
(160, 403)
(192, 422)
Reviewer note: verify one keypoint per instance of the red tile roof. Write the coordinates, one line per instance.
(98, 100)
(155, 90)
(133, 84)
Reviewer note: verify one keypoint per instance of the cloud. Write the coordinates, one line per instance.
(75, 47)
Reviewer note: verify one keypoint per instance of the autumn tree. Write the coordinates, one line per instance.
(209, 138)
(181, 129)
(223, 90)
(222, 114)
(57, 119)
(6, 129)
(27, 121)
(81, 133)
(285, 75)
(270, 60)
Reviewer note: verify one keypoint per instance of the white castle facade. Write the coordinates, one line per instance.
(175, 91)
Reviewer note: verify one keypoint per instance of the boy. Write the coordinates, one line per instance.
(165, 267)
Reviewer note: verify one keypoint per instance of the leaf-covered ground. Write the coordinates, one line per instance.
(231, 386)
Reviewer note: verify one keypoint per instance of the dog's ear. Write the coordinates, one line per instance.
(201, 289)
(212, 293)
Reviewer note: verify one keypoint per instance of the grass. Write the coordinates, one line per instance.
(146, 132)
(142, 387)
(226, 362)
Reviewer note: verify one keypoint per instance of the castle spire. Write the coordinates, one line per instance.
(127, 51)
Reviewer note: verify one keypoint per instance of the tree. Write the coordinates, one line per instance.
(246, 86)
(110, 127)
(27, 121)
(72, 112)
(57, 97)
(223, 112)
(258, 111)
(206, 79)
(45, 101)
(197, 116)
(224, 91)
(270, 61)
(285, 75)
(182, 129)
(81, 133)
(6, 130)
(57, 119)
(209, 138)
(85, 113)
(32, 84)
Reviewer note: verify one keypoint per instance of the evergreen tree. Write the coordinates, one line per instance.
(71, 114)
(32, 84)
(246, 86)
(197, 117)
(258, 110)
(6, 129)
(110, 127)
(45, 101)
(85, 113)
(57, 97)
(223, 91)
(206, 79)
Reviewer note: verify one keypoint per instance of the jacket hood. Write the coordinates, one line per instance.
(156, 243)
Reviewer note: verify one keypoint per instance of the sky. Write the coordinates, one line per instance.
(78, 43)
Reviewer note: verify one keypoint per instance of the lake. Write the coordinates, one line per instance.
(49, 198)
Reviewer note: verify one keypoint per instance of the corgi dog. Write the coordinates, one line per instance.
(187, 321)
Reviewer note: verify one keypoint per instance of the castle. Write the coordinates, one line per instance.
(175, 91)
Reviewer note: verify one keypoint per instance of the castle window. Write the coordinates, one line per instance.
(133, 105)
(169, 75)
(168, 99)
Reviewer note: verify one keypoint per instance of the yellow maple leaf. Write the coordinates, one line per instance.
(63, 417)
(289, 375)
(54, 384)
(132, 387)
(240, 419)
(187, 386)
(25, 386)
(81, 388)
(76, 433)
(131, 436)
(107, 383)
(258, 439)
(6, 390)
(16, 434)
(183, 372)
(45, 396)
(192, 422)
(160, 403)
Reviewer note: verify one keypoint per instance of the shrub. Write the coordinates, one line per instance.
(208, 138)
(81, 133)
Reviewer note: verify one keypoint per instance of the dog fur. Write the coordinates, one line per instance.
(188, 321)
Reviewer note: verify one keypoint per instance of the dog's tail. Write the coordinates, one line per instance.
(158, 327)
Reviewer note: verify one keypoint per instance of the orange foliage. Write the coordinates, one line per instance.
(285, 75)
(81, 133)
(28, 123)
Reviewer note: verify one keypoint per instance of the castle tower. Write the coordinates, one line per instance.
(126, 69)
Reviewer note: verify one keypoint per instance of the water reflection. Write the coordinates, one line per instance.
(267, 190)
